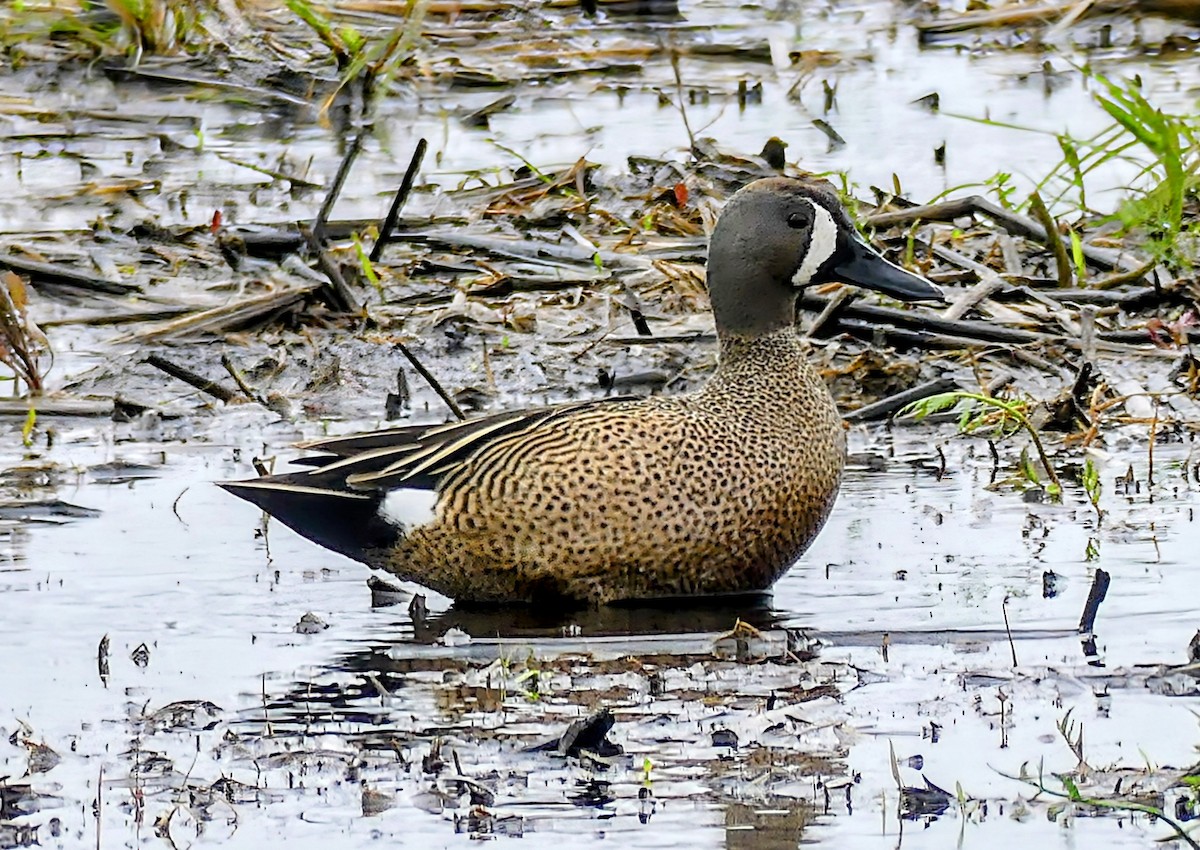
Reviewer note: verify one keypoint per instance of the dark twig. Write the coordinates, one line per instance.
(634, 305)
(393, 215)
(1008, 630)
(240, 380)
(985, 331)
(1118, 278)
(53, 273)
(679, 104)
(885, 407)
(339, 180)
(1062, 263)
(1096, 594)
(432, 381)
(338, 293)
(200, 382)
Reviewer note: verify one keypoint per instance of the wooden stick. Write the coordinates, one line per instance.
(1096, 594)
(393, 215)
(55, 407)
(986, 288)
(339, 294)
(65, 277)
(1014, 223)
(979, 331)
(200, 382)
(339, 180)
(1062, 264)
(432, 381)
(885, 407)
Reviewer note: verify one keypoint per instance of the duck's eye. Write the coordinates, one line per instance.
(799, 220)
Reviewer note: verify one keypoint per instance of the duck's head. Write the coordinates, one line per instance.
(777, 236)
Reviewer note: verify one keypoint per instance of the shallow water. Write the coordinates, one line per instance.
(175, 564)
(314, 725)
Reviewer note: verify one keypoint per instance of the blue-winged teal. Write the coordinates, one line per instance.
(714, 492)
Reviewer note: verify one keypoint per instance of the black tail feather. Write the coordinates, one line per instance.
(344, 521)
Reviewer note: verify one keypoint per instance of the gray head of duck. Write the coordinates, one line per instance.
(779, 235)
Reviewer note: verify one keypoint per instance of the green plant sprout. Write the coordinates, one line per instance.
(1004, 416)
(365, 265)
(27, 428)
(1165, 146)
(1072, 734)
(1091, 486)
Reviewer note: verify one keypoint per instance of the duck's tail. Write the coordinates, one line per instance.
(345, 521)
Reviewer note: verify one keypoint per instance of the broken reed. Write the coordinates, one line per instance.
(22, 344)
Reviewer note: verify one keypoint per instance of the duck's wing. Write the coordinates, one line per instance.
(418, 456)
(337, 503)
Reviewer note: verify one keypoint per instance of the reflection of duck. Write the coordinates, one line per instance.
(665, 620)
(715, 492)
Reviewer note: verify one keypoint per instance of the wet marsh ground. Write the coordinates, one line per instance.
(163, 681)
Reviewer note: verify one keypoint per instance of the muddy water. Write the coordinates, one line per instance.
(311, 722)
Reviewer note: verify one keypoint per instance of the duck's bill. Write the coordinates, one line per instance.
(864, 266)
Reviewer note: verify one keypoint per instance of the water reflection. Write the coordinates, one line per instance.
(676, 617)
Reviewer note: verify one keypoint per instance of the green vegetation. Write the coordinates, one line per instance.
(1163, 146)
(1003, 417)
(375, 61)
(157, 26)
(1070, 793)
(1166, 147)
(133, 27)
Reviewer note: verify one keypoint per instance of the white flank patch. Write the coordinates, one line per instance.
(408, 509)
(821, 245)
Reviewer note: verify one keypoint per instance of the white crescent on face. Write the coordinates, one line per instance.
(822, 244)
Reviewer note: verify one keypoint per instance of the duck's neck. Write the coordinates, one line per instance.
(747, 299)
(755, 354)
(772, 366)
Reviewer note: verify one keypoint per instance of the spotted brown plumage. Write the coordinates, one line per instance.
(713, 492)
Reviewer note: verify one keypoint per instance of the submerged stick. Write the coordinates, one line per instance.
(1096, 594)
(432, 381)
(200, 382)
(393, 215)
(1008, 630)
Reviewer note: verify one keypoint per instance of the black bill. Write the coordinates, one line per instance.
(861, 264)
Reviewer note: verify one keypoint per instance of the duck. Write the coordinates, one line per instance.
(715, 492)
